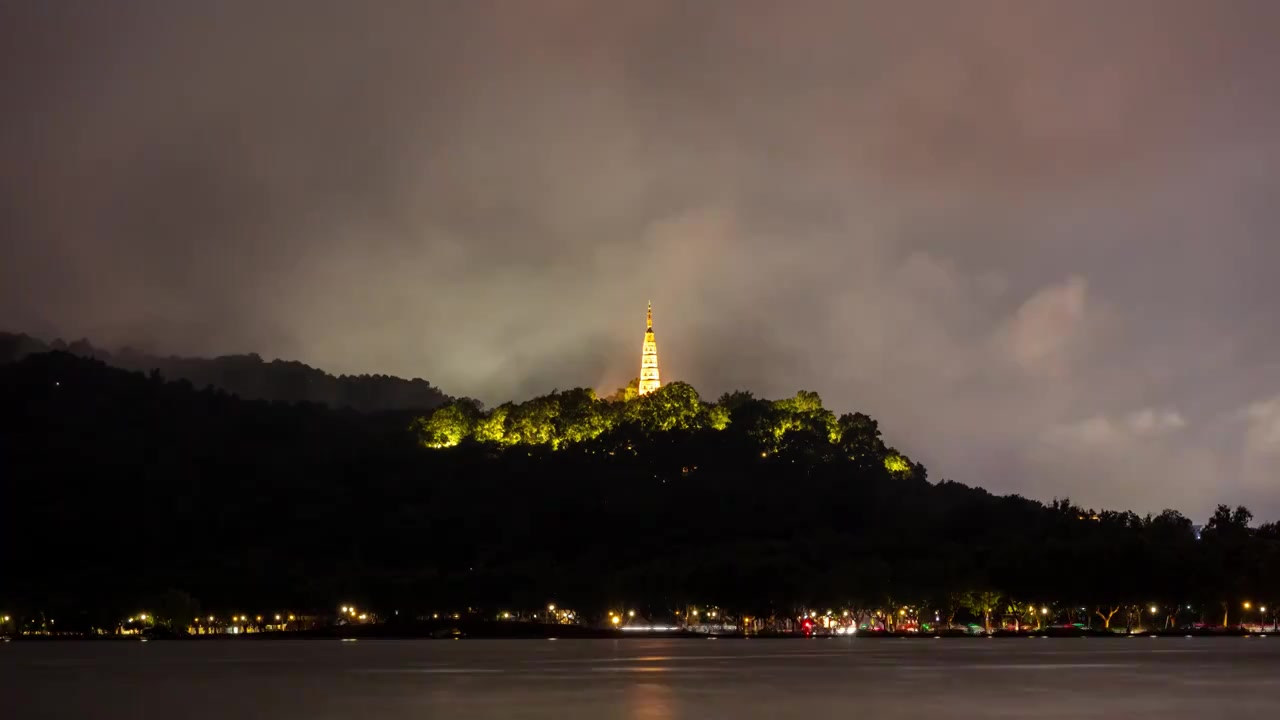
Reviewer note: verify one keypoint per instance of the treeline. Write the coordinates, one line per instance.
(121, 490)
(252, 378)
(562, 420)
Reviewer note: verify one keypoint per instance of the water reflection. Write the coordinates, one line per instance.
(649, 701)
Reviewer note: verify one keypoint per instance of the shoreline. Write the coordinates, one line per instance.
(483, 632)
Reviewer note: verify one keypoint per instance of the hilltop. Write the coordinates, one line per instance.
(250, 377)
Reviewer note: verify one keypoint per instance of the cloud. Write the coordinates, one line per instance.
(1260, 455)
(1044, 329)
(1103, 431)
(979, 226)
(1150, 423)
(1108, 461)
(1263, 435)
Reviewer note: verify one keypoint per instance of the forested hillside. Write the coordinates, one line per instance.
(252, 378)
(119, 488)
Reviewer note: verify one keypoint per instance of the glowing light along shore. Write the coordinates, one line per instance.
(649, 380)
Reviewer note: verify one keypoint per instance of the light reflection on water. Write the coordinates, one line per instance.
(629, 680)
(649, 701)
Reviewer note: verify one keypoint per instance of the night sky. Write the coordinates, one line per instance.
(1036, 240)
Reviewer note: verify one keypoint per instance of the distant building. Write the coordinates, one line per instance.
(649, 380)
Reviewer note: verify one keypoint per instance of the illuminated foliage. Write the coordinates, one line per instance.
(804, 412)
(534, 422)
(675, 406)
(572, 416)
(982, 604)
(717, 417)
(897, 464)
(805, 401)
(448, 425)
(797, 427)
(492, 427)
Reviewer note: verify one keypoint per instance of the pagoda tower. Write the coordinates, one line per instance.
(649, 360)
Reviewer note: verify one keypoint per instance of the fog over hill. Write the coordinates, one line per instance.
(251, 377)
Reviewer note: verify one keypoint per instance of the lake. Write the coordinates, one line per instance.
(647, 679)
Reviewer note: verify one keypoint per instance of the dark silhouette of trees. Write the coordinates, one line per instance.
(122, 491)
(252, 378)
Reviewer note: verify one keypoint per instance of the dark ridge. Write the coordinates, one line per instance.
(123, 491)
(252, 378)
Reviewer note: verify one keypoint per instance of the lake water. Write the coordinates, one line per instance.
(638, 679)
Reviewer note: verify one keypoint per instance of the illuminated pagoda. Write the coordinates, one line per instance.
(649, 360)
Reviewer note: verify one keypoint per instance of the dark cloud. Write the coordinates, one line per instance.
(1035, 239)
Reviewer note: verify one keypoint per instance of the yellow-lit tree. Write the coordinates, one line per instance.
(492, 427)
(448, 425)
(582, 416)
(674, 406)
(983, 603)
(533, 422)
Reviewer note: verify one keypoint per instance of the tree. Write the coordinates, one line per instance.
(534, 422)
(1106, 616)
(627, 393)
(492, 427)
(859, 438)
(582, 417)
(1022, 613)
(717, 417)
(981, 603)
(448, 425)
(733, 401)
(896, 464)
(674, 406)
(802, 413)
(1227, 541)
(175, 610)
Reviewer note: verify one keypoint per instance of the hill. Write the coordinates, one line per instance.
(252, 378)
(121, 490)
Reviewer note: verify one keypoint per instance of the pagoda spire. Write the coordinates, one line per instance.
(649, 380)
